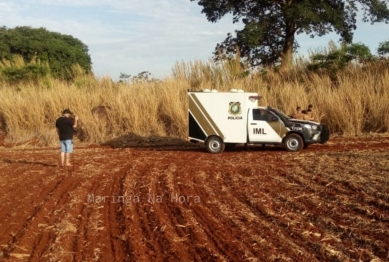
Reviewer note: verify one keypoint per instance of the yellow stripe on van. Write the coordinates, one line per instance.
(203, 118)
(279, 128)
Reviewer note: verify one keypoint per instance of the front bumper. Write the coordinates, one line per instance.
(321, 135)
(324, 135)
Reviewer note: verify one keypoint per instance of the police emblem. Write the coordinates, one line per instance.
(235, 108)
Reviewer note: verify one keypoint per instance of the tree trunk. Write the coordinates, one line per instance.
(287, 51)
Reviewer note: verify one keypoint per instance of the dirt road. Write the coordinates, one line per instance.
(170, 203)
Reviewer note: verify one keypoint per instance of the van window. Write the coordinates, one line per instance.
(263, 115)
(257, 114)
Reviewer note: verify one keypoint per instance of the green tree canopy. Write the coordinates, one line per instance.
(336, 58)
(383, 49)
(61, 52)
(359, 52)
(270, 26)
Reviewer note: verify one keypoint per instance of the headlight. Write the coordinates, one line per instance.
(310, 127)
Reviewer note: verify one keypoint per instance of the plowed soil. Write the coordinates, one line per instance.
(154, 201)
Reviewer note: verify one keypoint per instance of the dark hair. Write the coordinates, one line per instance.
(304, 111)
(66, 111)
(298, 108)
(309, 110)
(310, 106)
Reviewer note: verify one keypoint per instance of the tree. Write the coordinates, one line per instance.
(29, 72)
(383, 49)
(141, 77)
(270, 26)
(60, 52)
(359, 52)
(334, 59)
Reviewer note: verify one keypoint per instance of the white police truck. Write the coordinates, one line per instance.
(225, 119)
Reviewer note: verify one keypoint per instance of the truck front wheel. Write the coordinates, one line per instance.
(294, 142)
(214, 145)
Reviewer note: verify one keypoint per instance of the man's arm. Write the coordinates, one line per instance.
(75, 121)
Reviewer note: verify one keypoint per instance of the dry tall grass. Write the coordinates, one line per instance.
(355, 103)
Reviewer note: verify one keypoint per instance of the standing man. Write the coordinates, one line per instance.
(65, 128)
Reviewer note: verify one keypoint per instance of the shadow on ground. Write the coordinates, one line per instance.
(10, 161)
(256, 147)
(162, 143)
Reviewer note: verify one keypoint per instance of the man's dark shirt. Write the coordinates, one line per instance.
(65, 127)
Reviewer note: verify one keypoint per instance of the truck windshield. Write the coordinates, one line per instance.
(280, 114)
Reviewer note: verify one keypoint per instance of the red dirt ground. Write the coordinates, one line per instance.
(129, 201)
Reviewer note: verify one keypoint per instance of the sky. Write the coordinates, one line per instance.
(131, 36)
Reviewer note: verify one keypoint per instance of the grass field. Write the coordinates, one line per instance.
(352, 102)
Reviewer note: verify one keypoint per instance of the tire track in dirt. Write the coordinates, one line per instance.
(91, 240)
(133, 226)
(268, 207)
(146, 220)
(178, 208)
(140, 222)
(121, 249)
(81, 252)
(331, 189)
(300, 220)
(157, 233)
(59, 198)
(216, 240)
(294, 220)
(149, 220)
(46, 242)
(99, 225)
(37, 217)
(334, 198)
(254, 212)
(156, 215)
(224, 223)
(34, 213)
(63, 220)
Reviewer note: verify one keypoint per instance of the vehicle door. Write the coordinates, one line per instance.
(264, 126)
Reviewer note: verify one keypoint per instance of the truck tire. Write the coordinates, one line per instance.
(214, 145)
(294, 142)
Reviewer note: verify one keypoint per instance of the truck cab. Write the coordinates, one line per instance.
(268, 125)
(224, 119)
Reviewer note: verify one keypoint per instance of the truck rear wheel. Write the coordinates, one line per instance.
(214, 145)
(294, 142)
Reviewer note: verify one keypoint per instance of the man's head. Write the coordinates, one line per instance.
(298, 109)
(66, 112)
(310, 106)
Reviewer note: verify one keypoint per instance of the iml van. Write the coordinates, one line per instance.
(224, 119)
